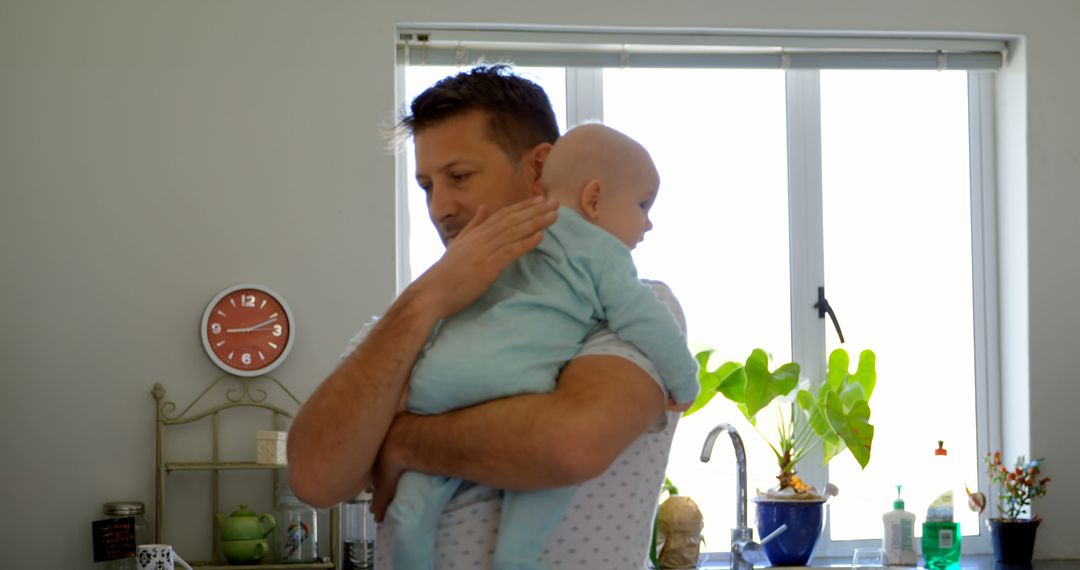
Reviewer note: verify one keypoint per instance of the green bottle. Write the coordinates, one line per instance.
(941, 544)
(940, 535)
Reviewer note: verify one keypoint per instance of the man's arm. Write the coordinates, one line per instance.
(335, 437)
(564, 437)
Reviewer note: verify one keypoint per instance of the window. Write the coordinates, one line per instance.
(776, 181)
(723, 184)
(898, 263)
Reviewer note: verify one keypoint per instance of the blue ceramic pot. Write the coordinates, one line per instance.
(1014, 542)
(804, 520)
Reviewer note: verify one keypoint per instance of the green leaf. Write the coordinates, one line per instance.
(831, 446)
(762, 386)
(734, 388)
(805, 400)
(838, 365)
(669, 487)
(652, 545)
(746, 414)
(703, 359)
(815, 412)
(724, 379)
(790, 374)
(850, 394)
(709, 383)
(817, 419)
(865, 373)
(853, 427)
(836, 414)
(732, 381)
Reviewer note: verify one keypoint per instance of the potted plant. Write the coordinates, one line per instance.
(678, 523)
(833, 418)
(1013, 530)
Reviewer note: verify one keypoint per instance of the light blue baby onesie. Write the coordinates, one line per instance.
(513, 340)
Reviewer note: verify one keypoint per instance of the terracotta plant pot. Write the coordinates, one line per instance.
(1014, 542)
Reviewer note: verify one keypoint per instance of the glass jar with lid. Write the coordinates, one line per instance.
(296, 532)
(124, 509)
(359, 533)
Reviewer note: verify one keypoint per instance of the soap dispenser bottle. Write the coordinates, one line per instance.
(898, 542)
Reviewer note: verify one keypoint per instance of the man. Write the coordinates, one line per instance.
(481, 139)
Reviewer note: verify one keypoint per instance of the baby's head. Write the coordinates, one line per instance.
(605, 176)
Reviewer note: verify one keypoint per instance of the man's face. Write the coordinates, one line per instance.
(460, 169)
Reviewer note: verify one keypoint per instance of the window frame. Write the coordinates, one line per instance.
(584, 100)
(807, 270)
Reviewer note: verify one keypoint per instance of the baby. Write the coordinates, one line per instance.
(535, 318)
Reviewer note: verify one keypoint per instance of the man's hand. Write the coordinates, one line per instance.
(600, 405)
(672, 406)
(486, 246)
(336, 437)
(385, 478)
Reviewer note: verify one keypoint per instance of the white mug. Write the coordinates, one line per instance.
(158, 557)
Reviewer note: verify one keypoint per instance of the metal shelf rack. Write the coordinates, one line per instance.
(247, 393)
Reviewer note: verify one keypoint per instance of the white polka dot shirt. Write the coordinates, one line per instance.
(608, 526)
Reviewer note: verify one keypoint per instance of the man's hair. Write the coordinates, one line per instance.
(519, 112)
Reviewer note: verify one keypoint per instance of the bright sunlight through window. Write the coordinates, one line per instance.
(898, 264)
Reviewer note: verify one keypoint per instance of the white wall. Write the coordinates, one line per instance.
(152, 153)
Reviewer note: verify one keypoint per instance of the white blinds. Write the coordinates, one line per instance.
(431, 45)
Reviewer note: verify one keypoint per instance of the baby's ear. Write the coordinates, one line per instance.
(590, 199)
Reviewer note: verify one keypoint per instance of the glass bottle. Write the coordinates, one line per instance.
(359, 533)
(124, 509)
(296, 531)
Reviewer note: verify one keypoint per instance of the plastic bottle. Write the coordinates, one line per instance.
(941, 536)
(359, 533)
(898, 542)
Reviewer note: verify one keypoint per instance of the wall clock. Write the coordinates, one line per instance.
(247, 330)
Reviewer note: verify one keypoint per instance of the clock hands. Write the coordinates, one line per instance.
(266, 322)
(252, 328)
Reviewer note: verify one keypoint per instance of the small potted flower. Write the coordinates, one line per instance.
(1013, 529)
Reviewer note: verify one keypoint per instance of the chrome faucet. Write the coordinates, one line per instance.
(744, 551)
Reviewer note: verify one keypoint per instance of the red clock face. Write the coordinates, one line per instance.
(247, 331)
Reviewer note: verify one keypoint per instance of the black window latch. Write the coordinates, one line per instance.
(823, 307)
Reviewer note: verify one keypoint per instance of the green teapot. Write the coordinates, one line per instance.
(246, 531)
